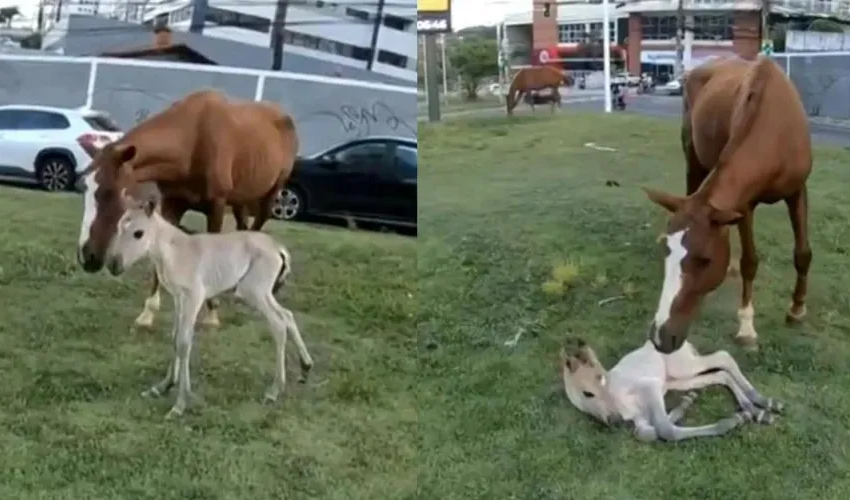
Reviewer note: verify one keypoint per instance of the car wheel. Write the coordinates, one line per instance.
(55, 173)
(289, 204)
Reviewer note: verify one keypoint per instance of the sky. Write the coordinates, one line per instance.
(466, 13)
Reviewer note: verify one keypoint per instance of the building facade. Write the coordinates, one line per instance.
(379, 37)
(647, 28)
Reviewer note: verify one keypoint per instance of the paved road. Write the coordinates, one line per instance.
(671, 107)
(662, 106)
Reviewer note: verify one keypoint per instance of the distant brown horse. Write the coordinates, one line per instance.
(204, 153)
(536, 78)
(746, 140)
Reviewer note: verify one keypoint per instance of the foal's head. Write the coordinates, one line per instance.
(696, 256)
(103, 183)
(136, 226)
(585, 382)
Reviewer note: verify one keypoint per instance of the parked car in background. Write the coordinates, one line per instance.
(368, 180)
(625, 78)
(673, 87)
(43, 144)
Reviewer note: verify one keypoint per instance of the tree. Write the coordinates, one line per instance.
(474, 59)
(7, 14)
(826, 26)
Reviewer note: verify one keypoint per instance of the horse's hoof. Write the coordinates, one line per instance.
(732, 271)
(145, 320)
(173, 413)
(795, 316)
(747, 342)
(211, 321)
(763, 418)
(153, 392)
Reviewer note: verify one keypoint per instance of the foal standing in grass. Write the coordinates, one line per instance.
(197, 267)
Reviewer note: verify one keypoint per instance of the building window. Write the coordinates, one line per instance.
(392, 59)
(596, 31)
(713, 27)
(658, 27)
(324, 45)
(181, 14)
(358, 14)
(571, 33)
(223, 17)
(396, 22)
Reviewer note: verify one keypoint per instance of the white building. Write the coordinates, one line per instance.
(340, 31)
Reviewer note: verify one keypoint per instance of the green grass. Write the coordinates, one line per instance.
(457, 104)
(520, 232)
(74, 426)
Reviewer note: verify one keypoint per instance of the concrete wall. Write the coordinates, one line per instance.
(823, 82)
(327, 112)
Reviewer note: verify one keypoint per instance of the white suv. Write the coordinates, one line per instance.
(44, 144)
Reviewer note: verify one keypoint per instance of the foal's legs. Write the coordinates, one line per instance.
(747, 335)
(667, 430)
(798, 212)
(190, 305)
(215, 221)
(173, 371)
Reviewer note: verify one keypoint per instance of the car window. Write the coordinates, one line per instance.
(102, 123)
(363, 156)
(407, 159)
(7, 120)
(41, 120)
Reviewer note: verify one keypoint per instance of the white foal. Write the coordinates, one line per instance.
(633, 391)
(195, 267)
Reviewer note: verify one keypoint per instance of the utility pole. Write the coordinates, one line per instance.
(679, 67)
(431, 81)
(606, 54)
(764, 32)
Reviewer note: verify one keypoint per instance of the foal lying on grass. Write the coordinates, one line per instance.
(196, 267)
(633, 391)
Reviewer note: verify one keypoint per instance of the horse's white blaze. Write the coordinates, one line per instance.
(672, 276)
(89, 207)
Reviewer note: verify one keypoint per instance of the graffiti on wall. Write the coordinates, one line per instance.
(359, 121)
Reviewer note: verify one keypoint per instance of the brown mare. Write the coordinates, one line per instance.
(746, 140)
(204, 153)
(536, 78)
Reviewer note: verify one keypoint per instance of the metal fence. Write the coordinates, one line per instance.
(327, 110)
(823, 80)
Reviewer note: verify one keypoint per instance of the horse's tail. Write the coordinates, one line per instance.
(747, 103)
(513, 91)
(285, 269)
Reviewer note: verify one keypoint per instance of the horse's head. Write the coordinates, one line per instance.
(585, 382)
(136, 229)
(696, 256)
(104, 184)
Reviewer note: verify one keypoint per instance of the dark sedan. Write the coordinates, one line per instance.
(369, 180)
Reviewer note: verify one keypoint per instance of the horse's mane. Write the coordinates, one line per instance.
(746, 106)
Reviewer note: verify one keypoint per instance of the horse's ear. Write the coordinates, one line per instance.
(124, 153)
(669, 202)
(150, 206)
(90, 149)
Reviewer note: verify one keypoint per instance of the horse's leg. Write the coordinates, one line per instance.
(152, 304)
(798, 208)
(665, 429)
(747, 335)
(264, 210)
(239, 216)
(172, 211)
(215, 221)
